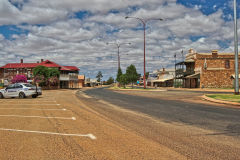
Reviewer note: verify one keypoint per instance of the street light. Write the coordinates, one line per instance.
(236, 86)
(118, 46)
(144, 22)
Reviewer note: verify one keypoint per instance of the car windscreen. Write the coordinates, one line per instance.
(28, 85)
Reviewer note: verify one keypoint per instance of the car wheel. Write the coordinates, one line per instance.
(34, 96)
(1, 96)
(21, 95)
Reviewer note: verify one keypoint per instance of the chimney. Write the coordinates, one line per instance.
(190, 51)
(214, 53)
(41, 60)
(163, 69)
(21, 60)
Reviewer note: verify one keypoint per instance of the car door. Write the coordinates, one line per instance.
(17, 89)
(9, 91)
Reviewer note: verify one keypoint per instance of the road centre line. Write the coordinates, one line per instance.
(91, 136)
(38, 109)
(30, 104)
(22, 116)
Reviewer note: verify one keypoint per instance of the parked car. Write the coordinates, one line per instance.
(21, 90)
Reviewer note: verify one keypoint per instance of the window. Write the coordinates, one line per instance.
(227, 64)
(18, 86)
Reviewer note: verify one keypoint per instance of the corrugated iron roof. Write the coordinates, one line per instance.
(46, 63)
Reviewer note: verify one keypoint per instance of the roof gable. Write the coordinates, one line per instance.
(48, 63)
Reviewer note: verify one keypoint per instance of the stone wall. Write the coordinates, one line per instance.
(215, 74)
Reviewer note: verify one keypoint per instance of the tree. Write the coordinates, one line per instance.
(99, 76)
(46, 76)
(41, 71)
(41, 75)
(123, 80)
(19, 79)
(132, 75)
(119, 74)
(53, 72)
(110, 80)
(146, 75)
(53, 76)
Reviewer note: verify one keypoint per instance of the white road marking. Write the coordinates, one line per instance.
(38, 109)
(22, 116)
(91, 136)
(86, 96)
(30, 104)
(25, 101)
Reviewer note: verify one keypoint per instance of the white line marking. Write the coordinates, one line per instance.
(38, 109)
(30, 104)
(22, 116)
(26, 101)
(91, 136)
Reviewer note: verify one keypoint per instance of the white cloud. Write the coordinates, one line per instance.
(82, 42)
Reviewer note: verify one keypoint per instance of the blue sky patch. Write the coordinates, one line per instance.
(8, 30)
(82, 14)
(208, 7)
(224, 44)
(195, 38)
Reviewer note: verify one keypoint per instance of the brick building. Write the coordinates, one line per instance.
(68, 74)
(206, 70)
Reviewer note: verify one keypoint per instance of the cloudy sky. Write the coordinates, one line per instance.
(75, 32)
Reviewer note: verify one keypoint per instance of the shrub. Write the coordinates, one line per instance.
(19, 79)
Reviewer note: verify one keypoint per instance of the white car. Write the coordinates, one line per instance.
(20, 90)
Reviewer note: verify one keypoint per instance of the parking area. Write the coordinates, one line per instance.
(27, 124)
(58, 125)
(19, 112)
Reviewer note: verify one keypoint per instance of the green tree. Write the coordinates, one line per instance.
(99, 76)
(53, 72)
(41, 71)
(146, 75)
(41, 75)
(123, 80)
(46, 76)
(132, 75)
(119, 74)
(110, 80)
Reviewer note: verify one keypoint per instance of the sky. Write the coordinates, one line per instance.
(75, 32)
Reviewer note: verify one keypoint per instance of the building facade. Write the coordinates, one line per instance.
(161, 78)
(206, 70)
(68, 74)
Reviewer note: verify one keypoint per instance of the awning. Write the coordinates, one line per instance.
(233, 76)
(161, 80)
(196, 75)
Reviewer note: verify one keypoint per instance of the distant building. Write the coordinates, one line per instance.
(161, 78)
(206, 70)
(81, 81)
(68, 74)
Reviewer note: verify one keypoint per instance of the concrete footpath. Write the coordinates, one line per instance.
(201, 89)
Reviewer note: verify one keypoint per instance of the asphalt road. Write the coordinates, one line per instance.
(220, 119)
(65, 124)
(193, 130)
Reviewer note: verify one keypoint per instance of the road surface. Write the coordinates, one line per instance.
(195, 130)
(101, 124)
(60, 126)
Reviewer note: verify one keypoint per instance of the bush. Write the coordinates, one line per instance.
(19, 79)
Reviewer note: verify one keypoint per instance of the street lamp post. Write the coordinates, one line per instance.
(118, 46)
(144, 22)
(174, 83)
(236, 87)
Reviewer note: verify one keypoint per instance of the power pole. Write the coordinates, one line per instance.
(236, 87)
(174, 83)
